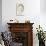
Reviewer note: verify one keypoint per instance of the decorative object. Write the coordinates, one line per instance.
(45, 34)
(14, 21)
(19, 8)
(7, 38)
(41, 36)
(27, 21)
(1, 40)
(11, 20)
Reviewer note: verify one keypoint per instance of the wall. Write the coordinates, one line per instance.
(32, 8)
(32, 12)
(43, 14)
(0, 15)
(43, 6)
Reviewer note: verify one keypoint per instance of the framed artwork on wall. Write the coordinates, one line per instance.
(19, 8)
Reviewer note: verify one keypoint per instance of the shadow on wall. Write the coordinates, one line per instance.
(0, 15)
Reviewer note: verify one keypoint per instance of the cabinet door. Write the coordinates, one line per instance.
(20, 37)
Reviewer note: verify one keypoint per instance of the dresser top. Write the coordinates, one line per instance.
(19, 23)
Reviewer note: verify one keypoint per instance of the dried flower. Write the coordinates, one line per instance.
(40, 33)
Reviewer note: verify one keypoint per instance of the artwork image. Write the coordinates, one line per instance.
(19, 9)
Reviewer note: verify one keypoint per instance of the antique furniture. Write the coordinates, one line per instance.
(22, 33)
(20, 7)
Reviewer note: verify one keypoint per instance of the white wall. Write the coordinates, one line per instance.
(32, 11)
(43, 6)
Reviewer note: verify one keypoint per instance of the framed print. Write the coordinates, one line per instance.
(19, 9)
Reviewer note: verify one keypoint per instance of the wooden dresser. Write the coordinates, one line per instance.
(22, 33)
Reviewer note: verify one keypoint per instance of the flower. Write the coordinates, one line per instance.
(40, 33)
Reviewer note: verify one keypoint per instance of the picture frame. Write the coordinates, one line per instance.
(19, 9)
